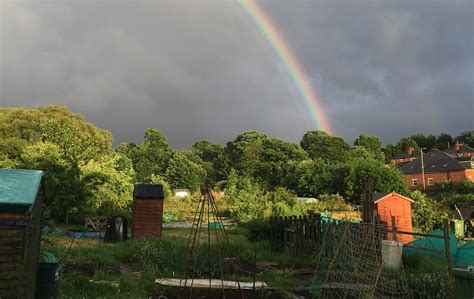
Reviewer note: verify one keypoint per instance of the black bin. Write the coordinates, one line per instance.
(47, 281)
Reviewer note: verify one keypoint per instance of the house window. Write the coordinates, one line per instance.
(414, 182)
(430, 182)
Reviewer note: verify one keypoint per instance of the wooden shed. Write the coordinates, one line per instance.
(394, 204)
(147, 211)
(21, 197)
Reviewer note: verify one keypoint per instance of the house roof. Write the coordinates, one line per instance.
(433, 161)
(405, 155)
(148, 191)
(18, 189)
(462, 150)
(378, 196)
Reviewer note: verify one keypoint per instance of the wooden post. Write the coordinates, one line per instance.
(394, 229)
(448, 249)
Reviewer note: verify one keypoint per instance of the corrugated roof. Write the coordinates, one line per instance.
(148, 191)
(434, 161)
(18, 189)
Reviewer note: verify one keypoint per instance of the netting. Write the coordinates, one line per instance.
(357, 270)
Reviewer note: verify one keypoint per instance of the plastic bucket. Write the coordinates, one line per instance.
(47, 281)
(392, 254)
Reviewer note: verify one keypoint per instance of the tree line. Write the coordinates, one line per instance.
(86, 175)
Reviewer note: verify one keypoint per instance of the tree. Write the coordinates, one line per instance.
(244, 152)
(149, 157)
(444, 141)
(109, 184)
(247, 200)
(308, 178)
(384, 178)
(466, 137)
(369, 142)
(63, 183)
(422, 141)
(184, 173)
(319, 144)
(426, 212)
(274, 159)
(213, 160)
(405, 143)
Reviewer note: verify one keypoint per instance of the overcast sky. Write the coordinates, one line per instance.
(201, 69)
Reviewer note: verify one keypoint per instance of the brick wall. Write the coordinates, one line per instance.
(438, 178)
(147, 218)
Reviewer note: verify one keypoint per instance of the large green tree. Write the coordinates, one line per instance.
(372, 144)
(244, 152)
(149, 157)
(319, 144)
(182, 172)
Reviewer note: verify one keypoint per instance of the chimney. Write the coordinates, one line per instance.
(410, 151)
(457, 147)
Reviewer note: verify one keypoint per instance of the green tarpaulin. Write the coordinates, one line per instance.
(465, 255)
(18, 189)
(462, 255)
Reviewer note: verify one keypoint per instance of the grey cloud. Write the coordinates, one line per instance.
(200, 69)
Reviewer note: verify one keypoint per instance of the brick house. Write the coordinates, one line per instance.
(408, 156)
(439, 166)
(460, 151)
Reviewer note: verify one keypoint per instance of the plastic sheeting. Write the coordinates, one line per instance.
(462, 255)
(18, 189)
(465, 255)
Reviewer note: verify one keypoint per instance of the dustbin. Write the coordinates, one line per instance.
(47, 281)
(392, 254)
(458, 227)
(464, 282)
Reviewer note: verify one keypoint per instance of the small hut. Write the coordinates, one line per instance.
(394, 204)
(147, 211)
(21, 196)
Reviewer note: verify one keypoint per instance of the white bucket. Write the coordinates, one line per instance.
(392, 254)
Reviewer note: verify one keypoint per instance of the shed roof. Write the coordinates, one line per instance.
(378, 196)
(18, 189)
(148, 191)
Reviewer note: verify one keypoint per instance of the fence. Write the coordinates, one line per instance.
(305, 234)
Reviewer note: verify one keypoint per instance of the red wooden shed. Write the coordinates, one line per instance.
(394, 204)
(147, 211)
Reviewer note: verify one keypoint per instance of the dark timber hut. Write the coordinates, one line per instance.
(21, 196)
(147, 211)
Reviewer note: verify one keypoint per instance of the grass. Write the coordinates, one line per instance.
(95, 270)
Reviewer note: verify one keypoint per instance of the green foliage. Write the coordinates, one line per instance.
(384, 178)
(109, 181)
(184, 173)
(372, 145)
(246, 198)
(308, 178)
(319, 144)
(245, 150)
(330, 202)
(149, 157)
(405, 143)
(159, 180)
(63, 183)
(426, 212)
(258, 230)
(422, 141)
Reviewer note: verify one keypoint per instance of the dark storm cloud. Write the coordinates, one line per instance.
(200, 69)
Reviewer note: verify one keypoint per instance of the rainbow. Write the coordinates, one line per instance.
(290, 62)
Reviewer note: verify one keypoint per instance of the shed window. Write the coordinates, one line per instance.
(430, 182)
(414, 182)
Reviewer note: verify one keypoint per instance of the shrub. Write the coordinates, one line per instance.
(426, 212)
(258, 230)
